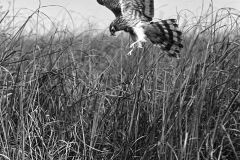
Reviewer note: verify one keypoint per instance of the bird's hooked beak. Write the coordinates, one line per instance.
(113, 34)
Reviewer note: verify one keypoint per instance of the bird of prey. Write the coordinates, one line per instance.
(136, 18)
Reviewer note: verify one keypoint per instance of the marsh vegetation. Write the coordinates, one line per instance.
(79, 96)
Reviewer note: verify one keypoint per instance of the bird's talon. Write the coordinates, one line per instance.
(132, 45)
(130, 52)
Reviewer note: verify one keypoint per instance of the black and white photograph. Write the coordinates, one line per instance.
(119, 79)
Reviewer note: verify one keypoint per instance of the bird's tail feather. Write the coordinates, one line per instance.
(165, 34)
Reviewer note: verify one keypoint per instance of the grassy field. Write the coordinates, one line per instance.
(66, 96)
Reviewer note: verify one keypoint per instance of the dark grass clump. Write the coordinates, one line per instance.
(66, 96)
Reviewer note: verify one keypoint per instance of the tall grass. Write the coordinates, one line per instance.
(66, 96)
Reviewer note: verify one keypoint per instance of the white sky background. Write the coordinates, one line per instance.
(83, 11)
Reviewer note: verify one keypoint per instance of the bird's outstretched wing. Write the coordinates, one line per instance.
(131, 9)
(113, 5)
(137, 9)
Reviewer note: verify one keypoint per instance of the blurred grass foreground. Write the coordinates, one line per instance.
(66, 96)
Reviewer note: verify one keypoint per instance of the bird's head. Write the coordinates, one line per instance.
(117, 25)
(113, 28)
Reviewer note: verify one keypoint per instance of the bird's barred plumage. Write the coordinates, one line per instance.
(166, 35)
(135, 17)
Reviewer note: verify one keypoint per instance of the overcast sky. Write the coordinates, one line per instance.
(90, 11)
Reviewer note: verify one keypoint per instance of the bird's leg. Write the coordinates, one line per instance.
(137, 39)
(134, 38)
(130, 52)
(137, 42)
(132, 46)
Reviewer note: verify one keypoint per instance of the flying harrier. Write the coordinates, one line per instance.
(135, 17)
